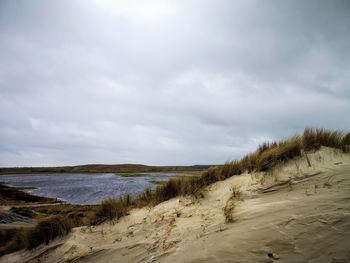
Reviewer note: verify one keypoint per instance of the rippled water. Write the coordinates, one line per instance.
(83, 188)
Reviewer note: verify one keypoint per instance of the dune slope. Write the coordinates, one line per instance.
(294, 213)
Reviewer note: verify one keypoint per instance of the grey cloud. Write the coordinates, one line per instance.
(164, 82)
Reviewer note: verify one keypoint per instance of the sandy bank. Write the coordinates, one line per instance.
(294, 213)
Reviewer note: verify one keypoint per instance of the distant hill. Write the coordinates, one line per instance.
(102, 168)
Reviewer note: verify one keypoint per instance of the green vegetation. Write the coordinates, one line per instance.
(59, 219)
(131, 174)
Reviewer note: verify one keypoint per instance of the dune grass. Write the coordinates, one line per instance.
(267, 156)
(236, 195)
(111, 208)
(52, 221)
(45, 230)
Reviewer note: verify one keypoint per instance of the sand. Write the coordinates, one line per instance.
(294, 213)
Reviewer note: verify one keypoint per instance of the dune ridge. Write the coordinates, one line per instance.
(280, 216)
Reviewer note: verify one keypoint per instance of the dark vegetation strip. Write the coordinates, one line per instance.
(52, 221)
(13, 195)
(102, 168)
(267, 156)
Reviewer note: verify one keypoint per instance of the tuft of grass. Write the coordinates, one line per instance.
(44, 231)
(112, 209)
(167, 191)
(233, 168)
(236, 195)
(11, 240)
(281, 152)
(346, 142)
(313, 139)
(144, 199)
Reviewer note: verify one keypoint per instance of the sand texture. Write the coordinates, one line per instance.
(295, 213)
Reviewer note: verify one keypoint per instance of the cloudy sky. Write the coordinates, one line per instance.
(167, 82)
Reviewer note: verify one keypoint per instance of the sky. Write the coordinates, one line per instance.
(167, 82)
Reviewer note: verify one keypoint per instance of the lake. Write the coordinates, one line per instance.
(83, 188)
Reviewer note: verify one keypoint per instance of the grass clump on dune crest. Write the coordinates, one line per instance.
(313, 139)
(267, 156)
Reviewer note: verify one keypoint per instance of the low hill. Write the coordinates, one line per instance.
(102, 168)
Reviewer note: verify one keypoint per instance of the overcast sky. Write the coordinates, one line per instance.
(167, 82)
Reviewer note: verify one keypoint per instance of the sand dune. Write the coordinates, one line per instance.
(295, 213)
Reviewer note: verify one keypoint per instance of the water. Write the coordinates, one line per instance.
(83, 188)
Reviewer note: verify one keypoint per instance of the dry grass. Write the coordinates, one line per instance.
(112, 209)
(313, 139)
(52, 221)
(266, 157)
(236, 195)
(45, 230)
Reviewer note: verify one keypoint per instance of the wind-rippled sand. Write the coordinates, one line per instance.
(295, 213)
